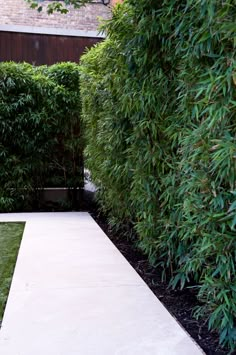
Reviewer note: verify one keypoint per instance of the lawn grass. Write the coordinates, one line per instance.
(10, 239)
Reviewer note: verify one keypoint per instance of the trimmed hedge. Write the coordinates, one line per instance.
(68, 151)
(159, 104)
(40, 133)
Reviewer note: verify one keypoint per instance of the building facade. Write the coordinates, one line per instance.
(18, 13)
(39, 38)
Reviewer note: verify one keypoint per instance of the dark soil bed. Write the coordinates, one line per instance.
(179, 303)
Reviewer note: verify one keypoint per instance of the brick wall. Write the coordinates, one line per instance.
(113, 2)
(18, 13)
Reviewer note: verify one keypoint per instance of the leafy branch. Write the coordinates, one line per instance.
(58, 6)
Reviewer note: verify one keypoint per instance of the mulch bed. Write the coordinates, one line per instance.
(179, 303)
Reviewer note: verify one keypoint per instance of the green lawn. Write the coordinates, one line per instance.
(10, 238)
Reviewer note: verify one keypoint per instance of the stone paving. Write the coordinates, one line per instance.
(73, 293)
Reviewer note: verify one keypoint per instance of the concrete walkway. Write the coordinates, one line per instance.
(73, 293)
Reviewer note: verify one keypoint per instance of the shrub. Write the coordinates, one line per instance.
(68, 162)
(38, 116)
(159, 104)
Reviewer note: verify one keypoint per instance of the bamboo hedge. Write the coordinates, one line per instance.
(41, 142)
(159, 104)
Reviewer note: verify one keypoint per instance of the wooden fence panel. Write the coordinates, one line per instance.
(41, 49)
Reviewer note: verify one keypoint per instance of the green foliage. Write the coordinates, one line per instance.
(159, 103)
(40, 134)
(57, 6)
(68, 151)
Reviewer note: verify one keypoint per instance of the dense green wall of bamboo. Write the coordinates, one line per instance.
(41, 143)
(159, 103)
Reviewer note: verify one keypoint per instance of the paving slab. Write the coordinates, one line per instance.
(73, 293)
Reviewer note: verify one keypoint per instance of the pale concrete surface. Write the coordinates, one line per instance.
(73, 293)
(51, 31)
